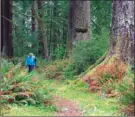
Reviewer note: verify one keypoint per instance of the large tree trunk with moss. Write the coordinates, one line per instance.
(122, 31)
(121, 50)
(6, 19)
(79, 22)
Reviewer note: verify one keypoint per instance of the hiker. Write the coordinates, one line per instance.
(30, 62)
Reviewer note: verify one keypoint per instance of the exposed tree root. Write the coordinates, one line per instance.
(90, 68)
(94, 65)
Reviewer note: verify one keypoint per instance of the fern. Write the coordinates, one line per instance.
(20, 88)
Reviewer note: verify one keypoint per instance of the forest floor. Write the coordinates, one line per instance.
(70, 101)
(67, 107)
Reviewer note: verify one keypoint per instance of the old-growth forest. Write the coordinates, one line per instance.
(84, 52)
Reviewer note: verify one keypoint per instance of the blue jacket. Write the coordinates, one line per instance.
(30, 60)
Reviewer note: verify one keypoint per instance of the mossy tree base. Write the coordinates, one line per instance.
(110, 70)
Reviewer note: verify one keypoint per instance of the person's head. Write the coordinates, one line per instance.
(31, 54)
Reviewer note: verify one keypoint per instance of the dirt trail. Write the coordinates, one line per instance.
(66, 107)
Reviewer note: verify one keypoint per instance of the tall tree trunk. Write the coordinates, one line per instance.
(55, 27)
(121, 50)
(39, 15)
(50, 34)
(33, 20)
(70, 28)
(122, 31)
(7, 46)
(36, 15)
(79, 22)
(42, 28)
(34, 25)
(2, 36)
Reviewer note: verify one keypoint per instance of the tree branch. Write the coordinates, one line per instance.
(7, 19)
(95, 23)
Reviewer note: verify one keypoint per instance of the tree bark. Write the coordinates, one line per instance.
(79, 22)
(122, 31)
(41, 26)
(50, 30)
(33, 20)
(121, 50)
(55, 28)
(70, 28)
(7, 46)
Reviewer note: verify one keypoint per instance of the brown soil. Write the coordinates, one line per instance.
(66, 107)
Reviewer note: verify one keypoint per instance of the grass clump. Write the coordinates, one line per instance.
(24, 110)
(55, 69)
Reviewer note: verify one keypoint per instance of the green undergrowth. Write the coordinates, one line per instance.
(19, 89)
(86, 53)
(91, 104)
(24, 110)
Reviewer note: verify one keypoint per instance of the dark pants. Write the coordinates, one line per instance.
(30, 67)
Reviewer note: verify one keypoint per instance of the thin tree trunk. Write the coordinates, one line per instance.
(2, 27)
(33, 20)
(34, 25)
(42, 29)
(22, 41)
(50, 43)
(55, 28)
(7, 46)
(70, 28)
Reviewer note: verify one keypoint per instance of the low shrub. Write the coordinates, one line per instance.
(55, 70)
(58, 53)
(69, 72)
